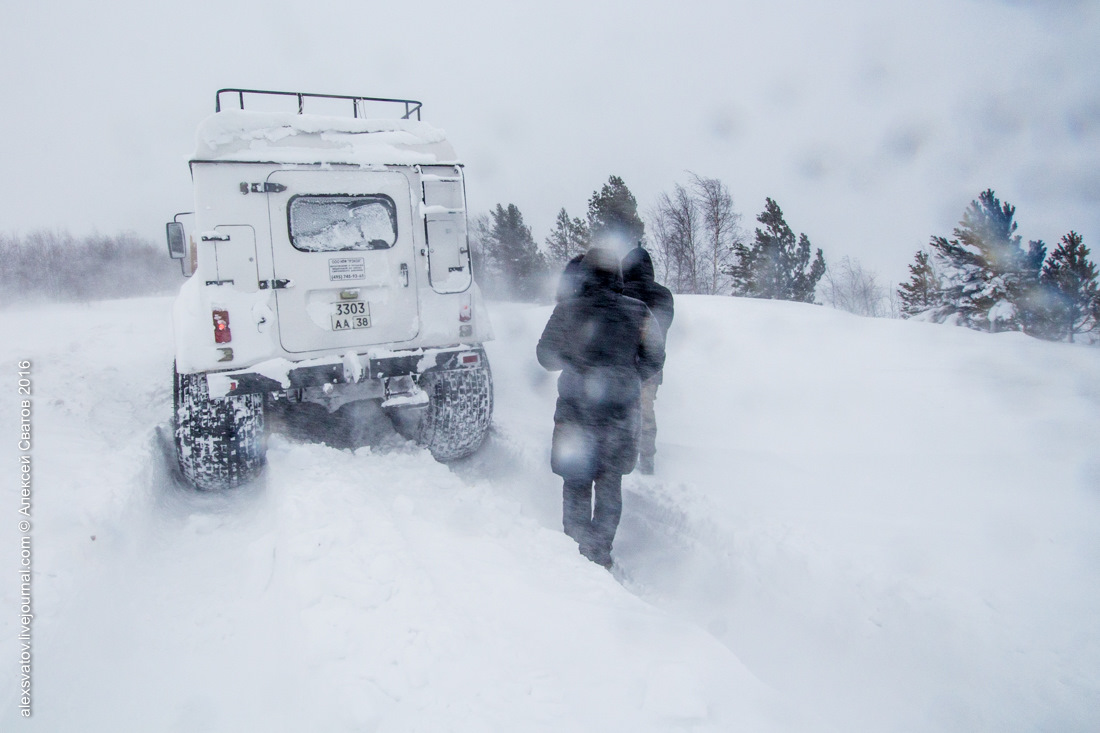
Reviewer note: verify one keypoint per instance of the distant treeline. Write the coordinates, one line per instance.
(984, 277)
(694, 237)
(54, 265)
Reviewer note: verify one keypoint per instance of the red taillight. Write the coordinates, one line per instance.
(465, 312)
(470, 358)
(222, 334)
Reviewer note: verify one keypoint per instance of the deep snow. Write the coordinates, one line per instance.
(855, 525)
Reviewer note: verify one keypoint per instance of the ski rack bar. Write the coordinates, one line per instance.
(411, 105)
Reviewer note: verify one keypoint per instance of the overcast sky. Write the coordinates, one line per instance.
(873, 124)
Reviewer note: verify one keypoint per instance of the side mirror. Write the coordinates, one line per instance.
(177, 240)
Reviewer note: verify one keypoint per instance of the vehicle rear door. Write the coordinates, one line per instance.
(343, 257)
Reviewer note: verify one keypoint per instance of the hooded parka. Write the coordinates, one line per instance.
(639, 282)
(605, 345)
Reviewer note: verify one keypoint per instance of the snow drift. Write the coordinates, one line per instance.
(855, 525)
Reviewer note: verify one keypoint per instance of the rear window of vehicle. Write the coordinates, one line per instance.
(342, 223)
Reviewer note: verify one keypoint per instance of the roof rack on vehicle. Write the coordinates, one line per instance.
(358, 103)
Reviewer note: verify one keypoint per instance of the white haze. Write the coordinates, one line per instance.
(902, 540)
(873, 124)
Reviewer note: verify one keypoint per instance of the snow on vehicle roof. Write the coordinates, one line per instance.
(251, 137)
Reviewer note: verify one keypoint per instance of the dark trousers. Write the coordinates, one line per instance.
(647, 437)
(593, 527)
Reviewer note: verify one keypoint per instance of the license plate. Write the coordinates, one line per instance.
(350, 314)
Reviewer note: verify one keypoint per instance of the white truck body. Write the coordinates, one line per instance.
(255, 177)
(327, 261)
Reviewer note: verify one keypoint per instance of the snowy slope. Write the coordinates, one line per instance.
(855, 525)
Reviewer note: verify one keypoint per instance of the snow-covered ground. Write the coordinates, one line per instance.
(855, 525)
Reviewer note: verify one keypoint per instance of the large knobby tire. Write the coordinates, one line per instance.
(219, 442)
(459, 412)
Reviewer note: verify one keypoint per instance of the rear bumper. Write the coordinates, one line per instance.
(283, 376)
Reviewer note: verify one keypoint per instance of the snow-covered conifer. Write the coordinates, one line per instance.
(987, 277)
(567, 239)
(613, 215)
(521, 264)
(1071, 301)
(923, 292)
(776, 265)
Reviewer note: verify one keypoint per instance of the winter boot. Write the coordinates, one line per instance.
(599, 555)
(603, 560)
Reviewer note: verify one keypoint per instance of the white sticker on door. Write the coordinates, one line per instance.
(347, 268)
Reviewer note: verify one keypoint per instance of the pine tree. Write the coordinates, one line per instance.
(513, 248)
(923, 292)
(775, 265)
(613, 216)
(567, 239)
(988, 278)
(1071, 300)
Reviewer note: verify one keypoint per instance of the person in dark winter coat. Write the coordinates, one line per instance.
(638, 282)
(606, 345)
(572, 280)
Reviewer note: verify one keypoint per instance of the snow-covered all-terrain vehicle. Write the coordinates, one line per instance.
(328, 263)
